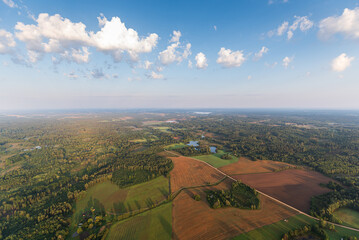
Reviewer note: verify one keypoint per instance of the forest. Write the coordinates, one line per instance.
(49, 160)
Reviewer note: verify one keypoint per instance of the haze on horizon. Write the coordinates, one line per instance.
(179, 54)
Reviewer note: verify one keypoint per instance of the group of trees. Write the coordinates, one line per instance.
(240, 195)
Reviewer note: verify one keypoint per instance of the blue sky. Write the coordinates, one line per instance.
(179, 54)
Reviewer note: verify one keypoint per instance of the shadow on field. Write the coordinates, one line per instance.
(149, 202)
(119, 207)
(167, 226)
(137, 205)
(163, 191)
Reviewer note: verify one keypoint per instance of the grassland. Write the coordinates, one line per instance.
(175, 146)
(153, 224)
(348, 216)
(276, 230)
(115, 200)
(215, 159)
(140, 140)
(163, 129)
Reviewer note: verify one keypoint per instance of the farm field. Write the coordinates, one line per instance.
(294, 186)
(117, 200)
(215, 159)
(176, 146)
(276, 230)
(153, 224)
(348, 216)
(141, 140)
(196, 220)
(247, 166)
(189, 172)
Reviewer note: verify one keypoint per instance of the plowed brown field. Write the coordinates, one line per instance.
(188, 172)
(196, 220)
(294, 186)
(246, 166)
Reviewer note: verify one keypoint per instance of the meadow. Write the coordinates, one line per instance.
(153, 224)
(215, 159)
(348, 216)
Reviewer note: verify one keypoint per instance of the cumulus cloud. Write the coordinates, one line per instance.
(10, 3)
(346, 24)
(154, 75)
(176, 36)
(259, 54)
(341, 62)
(189, 63)
(201, 61)
(286, 61)
(175, 52)
(7, 42)
(72, 75)
(55, 34)
(115, 38)
(303, 23)
(227, 58)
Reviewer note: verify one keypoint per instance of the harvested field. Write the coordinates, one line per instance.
(189, 172)
(196, 220)
(246, 166)
(294, 186)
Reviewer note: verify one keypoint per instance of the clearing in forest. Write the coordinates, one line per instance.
(348, 216)
(294, 186)
(215, 159)
(155, 224)
(246, 166)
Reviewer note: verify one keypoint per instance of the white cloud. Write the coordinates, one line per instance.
(55, 34)
(77, 55)
(215, 28)
(259, 54)
(201, 61)
(249, 77)
(114, 38)
(147, 64)
(10, 3)
(346, 24)
(155, 75)
(304, 25)
(287, 61)
(189, 63)
(282, 28)
(176, 36)
(172, 54)
(7, 42)
(227, 58)
(341, 62)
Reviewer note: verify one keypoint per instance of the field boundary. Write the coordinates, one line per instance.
(266, 195)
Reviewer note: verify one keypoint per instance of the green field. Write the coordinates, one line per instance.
(176, 146)
(215, 159)
(140, 140)
(276, 230)
(115, 200)
(154, 224)
(163, 129)
(348, 216)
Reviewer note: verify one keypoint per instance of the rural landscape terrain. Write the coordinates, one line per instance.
(179, 175)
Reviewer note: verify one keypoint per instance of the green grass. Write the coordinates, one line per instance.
(176, 146)
(215, 159)
(163, 129)
(138, 140)
(117, 200)
(348, 216)
(154, 224)
(276, 230)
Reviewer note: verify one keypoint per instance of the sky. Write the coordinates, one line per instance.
(179, 54)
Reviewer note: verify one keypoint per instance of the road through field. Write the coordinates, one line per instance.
(266, 195)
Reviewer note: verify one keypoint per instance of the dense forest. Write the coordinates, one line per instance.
(49, 160)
